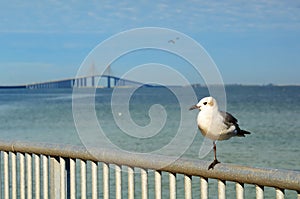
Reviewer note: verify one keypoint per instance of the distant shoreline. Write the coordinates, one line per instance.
(153, 86)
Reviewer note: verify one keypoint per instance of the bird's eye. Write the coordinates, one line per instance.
(204, 103)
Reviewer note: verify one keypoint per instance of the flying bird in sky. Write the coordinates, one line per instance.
(215, 124)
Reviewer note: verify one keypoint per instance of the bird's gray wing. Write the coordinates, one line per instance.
(229, 119)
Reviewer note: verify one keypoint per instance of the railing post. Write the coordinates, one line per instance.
(6, 175)
(94, 169)
(55, 188)
(221, 189)
(279, 193)
(105, 181)
(130, 183)
(0, 174)
(259, 192)
(22, 175)
(172, 184)
(144, 180)
(63, 182)
(83, 178)
(204, 188)
(71, 179)
(157, 184)
(29, 175)
(188, 186)
(118, 178)
(239, 190)
(45, 176)
(37, 173)
(13, 175)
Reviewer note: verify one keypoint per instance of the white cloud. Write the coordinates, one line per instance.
(114, 16)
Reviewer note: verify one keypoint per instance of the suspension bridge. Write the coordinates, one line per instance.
(95, 81)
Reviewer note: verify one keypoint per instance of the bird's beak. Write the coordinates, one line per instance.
(194, 107)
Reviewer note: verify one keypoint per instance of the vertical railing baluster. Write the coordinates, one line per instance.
(105, 181)
(204, 188)
(118, 178)
(83, 178)
(54, 176)
(1, 190)
(37, 175)
(6, 174)
(130, 183)
(45, 176)
(72, 182)
(157, 178)
(221, 189)
(239, 187)
(62, 163)
(94, 169)
(279, 193)
(259, 192)
(29, 175)
(144, 181)
(22, 175)
(188, 186)
(172, 185)
(13, 175)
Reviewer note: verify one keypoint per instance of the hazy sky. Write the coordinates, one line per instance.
(251, 42)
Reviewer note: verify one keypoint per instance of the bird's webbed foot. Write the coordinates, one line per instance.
(213, 164)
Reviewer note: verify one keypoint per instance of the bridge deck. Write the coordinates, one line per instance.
(79, 82)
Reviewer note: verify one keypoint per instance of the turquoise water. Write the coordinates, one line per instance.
(271, 113)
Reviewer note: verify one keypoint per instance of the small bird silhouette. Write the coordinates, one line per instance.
(215, 124)
(173, 41)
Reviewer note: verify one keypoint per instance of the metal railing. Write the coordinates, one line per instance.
(39, 170)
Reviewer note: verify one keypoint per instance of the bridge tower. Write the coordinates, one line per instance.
(107, 72)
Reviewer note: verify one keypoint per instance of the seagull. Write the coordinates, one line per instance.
(215, 124)
(171, 41)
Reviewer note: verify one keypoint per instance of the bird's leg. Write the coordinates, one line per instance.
(212, 165)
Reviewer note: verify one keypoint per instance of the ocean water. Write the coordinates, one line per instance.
(270, 113)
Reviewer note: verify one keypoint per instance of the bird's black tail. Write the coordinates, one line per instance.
(241, 133)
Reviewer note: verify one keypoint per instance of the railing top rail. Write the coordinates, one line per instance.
(283, 179)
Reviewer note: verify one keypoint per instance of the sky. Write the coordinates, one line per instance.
(251, 42)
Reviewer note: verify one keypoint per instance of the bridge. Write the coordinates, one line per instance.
(85, 82)
(108, 81)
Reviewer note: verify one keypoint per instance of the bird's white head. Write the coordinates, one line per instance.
(206, 103)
